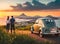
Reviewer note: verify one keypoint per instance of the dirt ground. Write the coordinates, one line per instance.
(51, 38)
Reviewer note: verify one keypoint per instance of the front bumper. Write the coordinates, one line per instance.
(50, 33)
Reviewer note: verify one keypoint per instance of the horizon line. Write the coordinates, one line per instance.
(27, 10)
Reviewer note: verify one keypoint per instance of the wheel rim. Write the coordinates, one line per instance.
(40, 34)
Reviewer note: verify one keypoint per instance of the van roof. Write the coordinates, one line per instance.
(45, 18)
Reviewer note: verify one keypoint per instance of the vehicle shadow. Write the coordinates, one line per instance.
(53, 38)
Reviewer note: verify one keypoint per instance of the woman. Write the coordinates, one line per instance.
(8, 24)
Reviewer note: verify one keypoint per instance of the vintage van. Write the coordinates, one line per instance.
(44, 26)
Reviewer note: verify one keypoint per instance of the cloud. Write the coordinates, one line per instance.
(54, 5)
(36, 5)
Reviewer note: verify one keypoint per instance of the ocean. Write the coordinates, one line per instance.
(3, 20)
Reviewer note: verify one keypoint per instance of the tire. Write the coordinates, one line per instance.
(56, 34)
(31, 32)
(41, 35)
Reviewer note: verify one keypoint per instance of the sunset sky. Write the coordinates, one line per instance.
(5, 5)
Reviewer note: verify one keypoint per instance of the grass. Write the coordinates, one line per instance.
(23, 39)
(27, 27)
(6, 38)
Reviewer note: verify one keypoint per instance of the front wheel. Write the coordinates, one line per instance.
(32, 32)
(40, 34)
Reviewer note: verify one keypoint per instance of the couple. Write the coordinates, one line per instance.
(10, 24)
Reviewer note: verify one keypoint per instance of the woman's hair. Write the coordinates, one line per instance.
(7, 17)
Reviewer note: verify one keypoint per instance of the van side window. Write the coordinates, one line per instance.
(49, 20)
(52, 21)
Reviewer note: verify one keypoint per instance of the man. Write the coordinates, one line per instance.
(12, 21)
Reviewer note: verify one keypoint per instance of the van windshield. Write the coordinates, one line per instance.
(49, 23)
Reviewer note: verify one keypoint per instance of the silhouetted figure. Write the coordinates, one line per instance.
(7, 24)
(12, 22)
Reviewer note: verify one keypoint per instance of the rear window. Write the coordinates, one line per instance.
(49, 22)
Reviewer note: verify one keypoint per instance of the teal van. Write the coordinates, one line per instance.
(44, 26)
